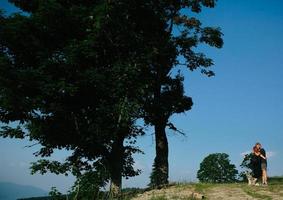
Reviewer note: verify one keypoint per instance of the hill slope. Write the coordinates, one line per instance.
(11, 191)
(235, 191)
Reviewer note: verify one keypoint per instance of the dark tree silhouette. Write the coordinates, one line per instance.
(68, 77)
(77, 74)
(178, 38)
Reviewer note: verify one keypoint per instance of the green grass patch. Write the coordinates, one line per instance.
(180, 198)
(253, 193)
(275, 188)
(203, 187)
(129, 193)
(163, 197)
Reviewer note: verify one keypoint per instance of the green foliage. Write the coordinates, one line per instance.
(55, 194)
(216, 168)
(246, 165)
(247, 161)
(7, 131)
(88, 185)
(77, 75)
(68, 72)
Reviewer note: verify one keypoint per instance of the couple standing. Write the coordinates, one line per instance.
(259, 163)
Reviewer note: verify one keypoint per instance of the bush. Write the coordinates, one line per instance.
(246, 166)
(216, 168)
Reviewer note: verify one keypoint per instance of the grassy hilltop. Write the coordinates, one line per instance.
(188, 191)
(235, 191)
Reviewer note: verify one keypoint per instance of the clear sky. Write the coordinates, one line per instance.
(241, 105)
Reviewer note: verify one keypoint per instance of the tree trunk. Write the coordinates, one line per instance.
(159, 176)
(161, 159)
(116, 158)
(116, 167)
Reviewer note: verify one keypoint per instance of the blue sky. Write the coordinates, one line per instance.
(241, 105)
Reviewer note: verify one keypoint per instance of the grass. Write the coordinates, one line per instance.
(274, 188)
(129, 193)
(175, 190)
(202, 187)
(254, 194)
(163, 197)
(276, 185)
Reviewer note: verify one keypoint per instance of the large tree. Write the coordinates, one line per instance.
(178, 39)
(69, 72)
(76, 74)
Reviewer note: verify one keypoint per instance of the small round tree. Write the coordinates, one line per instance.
(216, 168)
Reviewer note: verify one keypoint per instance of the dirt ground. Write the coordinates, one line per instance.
(214, 192)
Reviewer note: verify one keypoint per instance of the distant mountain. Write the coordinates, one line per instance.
(11, 191)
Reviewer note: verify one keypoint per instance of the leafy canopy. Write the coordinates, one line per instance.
(216, 168)
(68, 77)
(77, 74)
